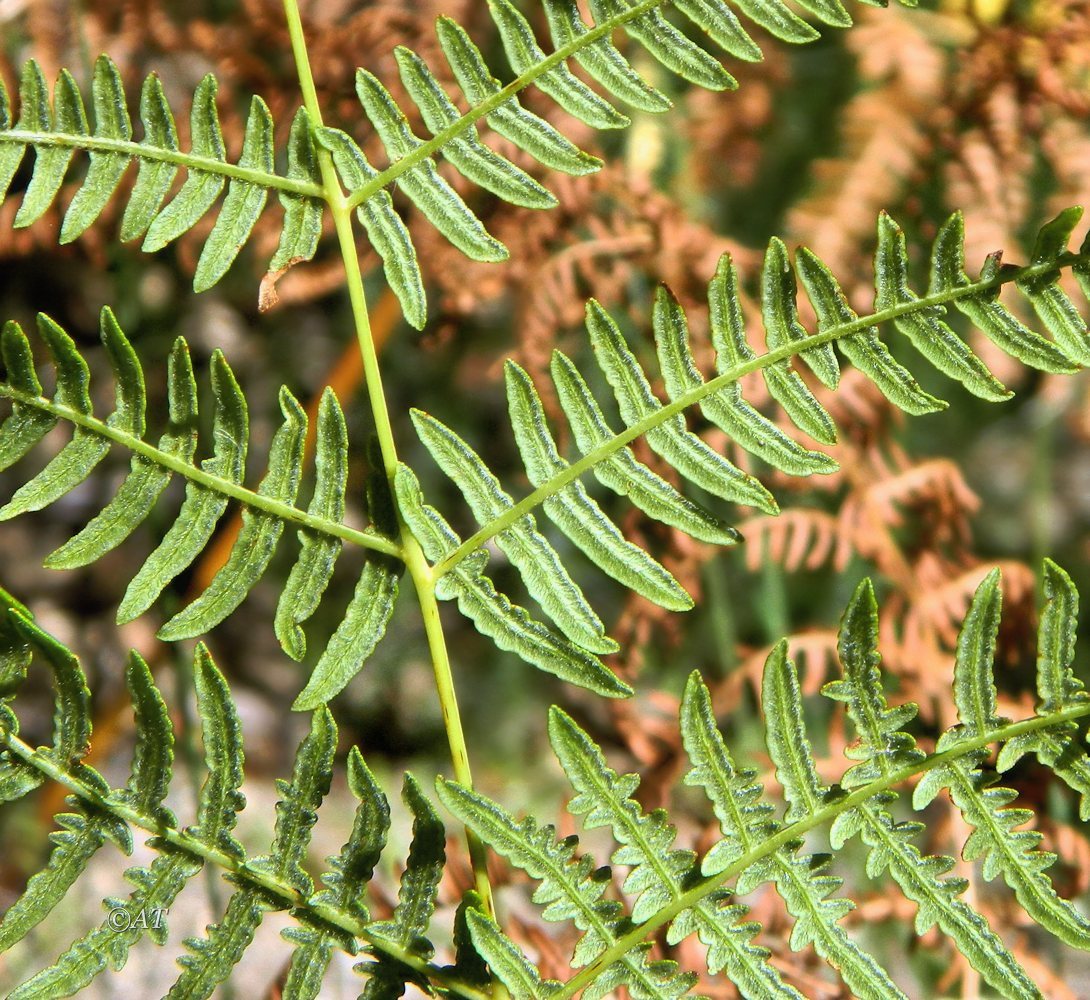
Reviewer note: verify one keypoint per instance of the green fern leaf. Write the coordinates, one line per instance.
(210, 486)
(985, 311)
(82, 833)
(1059, 747)
(681, 448)
(297, 810)
(658, 872)
(157, 886)
(310, 575)
(360, 631)
(27, 425)
(77, 459)
(454, 136)
(50, 163)
(508, 625)
(668, 45)
(744, 819)
(604, 451)
(154, 175)
(423, 185)
(923, 327)
(212, 957)
(507, 961)
(863, 349)
(202, 508)
(220, 799)
(105, 168)
(571, 889)
(508, 118)
(351, 869)
(472, 158)
(243, 204)
(805, 887)
(996, 838)
(57, 134)
(385, 230)
(782, 327)
(523, 53)
(882, 749)
(621, 472)
(1049, 301)
(258, 536)
(602, 61)
(200, 190)
(153, 756)
(146, 480)
(302, 216)
(727, 409)
(546, 578)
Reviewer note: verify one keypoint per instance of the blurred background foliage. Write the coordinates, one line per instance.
(978, 105)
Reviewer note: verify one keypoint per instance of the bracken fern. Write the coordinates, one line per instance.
(664, 887)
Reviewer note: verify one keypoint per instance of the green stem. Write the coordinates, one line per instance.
(554, 484)
(415, 561)
(798, 830)
(185, 841)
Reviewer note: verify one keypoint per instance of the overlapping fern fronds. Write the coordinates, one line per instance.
(332, 917)
(670, 888)
(603, 450)
(666, 886)
(210, 485)
(56, 130)
(572, 648)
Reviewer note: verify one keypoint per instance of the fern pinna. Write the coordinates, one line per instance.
(666, 886)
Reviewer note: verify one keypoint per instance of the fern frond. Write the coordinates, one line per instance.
(334, 917)
(996, 838)
(571, 889)
(210, 485)
(882, 749)
(455, 136)
(56, 133)
(666, 889)
(603, 450)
